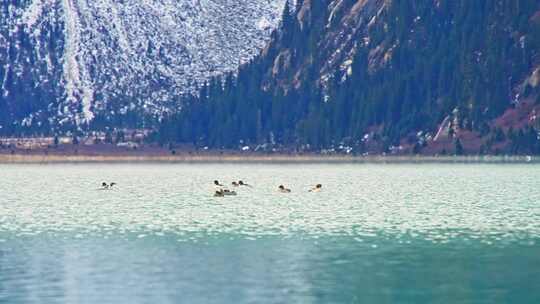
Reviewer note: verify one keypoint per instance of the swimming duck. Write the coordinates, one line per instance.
(282, 189)
(235, 184)
(216, 182)
(105, 186)
(228, 192)
(241, 183)
(224, 192)
(317, 188)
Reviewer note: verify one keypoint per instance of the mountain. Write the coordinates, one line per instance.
(68, 64)
(429, 76)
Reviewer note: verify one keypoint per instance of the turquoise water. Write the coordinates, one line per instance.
(422, 233)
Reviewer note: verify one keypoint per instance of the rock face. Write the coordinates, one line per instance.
(75, 62)
(337, 29)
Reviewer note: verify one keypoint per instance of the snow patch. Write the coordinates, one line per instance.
(264, 24)
(73, 72)
(32, 13)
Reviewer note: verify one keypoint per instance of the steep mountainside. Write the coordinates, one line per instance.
(106, 62)
(383, 75)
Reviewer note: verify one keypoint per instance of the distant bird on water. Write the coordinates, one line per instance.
(241, 183)
(105, 186)
(224, 192)
(282, 189)
(317, 188)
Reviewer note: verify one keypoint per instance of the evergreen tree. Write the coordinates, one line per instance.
(458, 147)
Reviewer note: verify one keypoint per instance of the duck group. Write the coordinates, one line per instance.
(222, 191)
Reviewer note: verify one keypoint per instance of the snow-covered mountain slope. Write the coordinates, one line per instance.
(71, 61)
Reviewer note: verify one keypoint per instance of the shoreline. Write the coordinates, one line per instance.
(255, 158)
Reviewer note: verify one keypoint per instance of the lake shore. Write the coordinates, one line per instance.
(19, 158)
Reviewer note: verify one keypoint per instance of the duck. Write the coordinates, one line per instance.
(241, 183)
(282, 189)
(235, 184)
(317, 188)
(217, 183)
(224, 192)
(105, 186)
(228, 192)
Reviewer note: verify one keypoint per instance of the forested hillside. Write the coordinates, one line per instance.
(427, 76)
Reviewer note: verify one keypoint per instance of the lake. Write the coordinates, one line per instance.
(376, 233)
